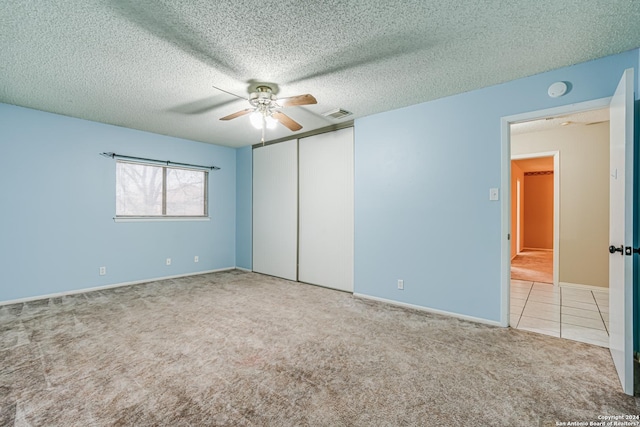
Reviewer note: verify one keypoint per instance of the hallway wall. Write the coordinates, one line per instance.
(538, 210)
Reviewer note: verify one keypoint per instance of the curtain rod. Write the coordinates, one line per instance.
(166, 162)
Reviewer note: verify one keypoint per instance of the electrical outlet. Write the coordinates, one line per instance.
(400, 284)
(168, 261)
(196, 258)
(103, 271)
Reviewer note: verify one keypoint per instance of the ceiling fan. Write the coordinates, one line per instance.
(265, 108)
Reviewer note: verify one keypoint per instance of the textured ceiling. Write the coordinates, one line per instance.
(153, 65)
(584, 118)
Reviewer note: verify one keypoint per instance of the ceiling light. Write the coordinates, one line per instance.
(270, 122)
(256, 119)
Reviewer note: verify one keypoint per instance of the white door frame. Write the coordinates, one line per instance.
(519, 224)
(556, 206)
(505, 177)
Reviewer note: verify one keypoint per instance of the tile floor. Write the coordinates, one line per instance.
(575, 314)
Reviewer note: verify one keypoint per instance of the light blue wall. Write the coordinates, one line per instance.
(58, 203)
(422, 179)
(244, 203)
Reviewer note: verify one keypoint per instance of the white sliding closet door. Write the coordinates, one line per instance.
(326, 210)
(275, 209)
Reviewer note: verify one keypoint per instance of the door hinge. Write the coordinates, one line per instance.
(509, 236)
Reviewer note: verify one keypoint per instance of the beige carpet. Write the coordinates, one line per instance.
(533, 266)
(242, 349)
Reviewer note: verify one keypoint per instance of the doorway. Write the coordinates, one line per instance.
(620, 175)
(535, 195)
(552, 298)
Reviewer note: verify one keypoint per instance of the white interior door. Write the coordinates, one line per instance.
(275, 209)
(621, 231)
(326, 210)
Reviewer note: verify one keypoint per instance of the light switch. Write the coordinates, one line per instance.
(494, 194)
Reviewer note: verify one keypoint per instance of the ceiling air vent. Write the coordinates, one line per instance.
(338, 113)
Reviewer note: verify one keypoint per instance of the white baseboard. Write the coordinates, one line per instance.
(248, 270)
(115, 285)
(583, 287)
(429, 310)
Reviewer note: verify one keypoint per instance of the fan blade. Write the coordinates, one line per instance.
(287, 121)
(297, 100)
(230, 93)
(237, 114)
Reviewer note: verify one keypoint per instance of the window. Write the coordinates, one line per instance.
(149, 190)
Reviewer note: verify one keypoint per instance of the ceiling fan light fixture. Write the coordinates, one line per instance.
(270, 122)
(262, 96)
(256, 119)
(265, 109)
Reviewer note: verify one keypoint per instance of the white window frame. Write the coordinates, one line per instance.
(164, 216)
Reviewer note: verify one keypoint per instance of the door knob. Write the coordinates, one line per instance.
(613, 249)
